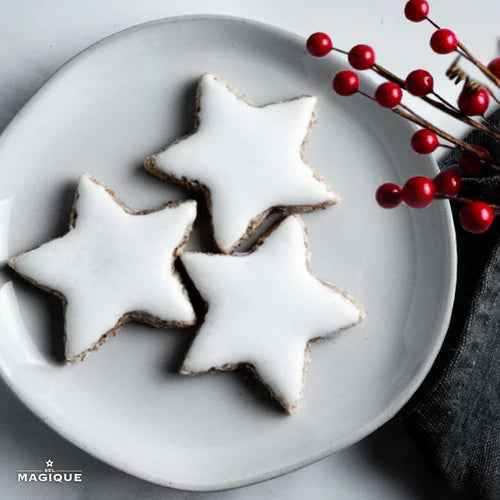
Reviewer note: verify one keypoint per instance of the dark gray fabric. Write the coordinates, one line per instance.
(455, 417)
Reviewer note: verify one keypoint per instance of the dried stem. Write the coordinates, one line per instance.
(441, 106)
(433, 23)
(454, 72)
(388, 75)
(480, 65)
(411, 116)
(464, 51)
(457, 74)
(496, 208)
(445, 102)
(336, 49)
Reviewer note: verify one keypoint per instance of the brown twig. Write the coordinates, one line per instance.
(436, 104)
(464, 51)
(486, 71)
(457, 75)
(388, 75)
(496, 208)
(411, 116)
(445, 102)
(433, 23)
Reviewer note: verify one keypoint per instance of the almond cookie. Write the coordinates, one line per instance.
(247, 160)
(264, 310)
(114, 265)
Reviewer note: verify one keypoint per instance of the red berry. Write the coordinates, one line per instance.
(474, 103)
(476, 217)
(388, 95)
(361, 57)
(471, 164)
(444, 41)
(389, 195)
(419, 83)
(424, 141)
(448, 183)
(346, 83)
(416, 10)
(494, 67)
(319, 44)
(418, 192)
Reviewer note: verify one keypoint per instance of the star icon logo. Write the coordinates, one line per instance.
(49, 463)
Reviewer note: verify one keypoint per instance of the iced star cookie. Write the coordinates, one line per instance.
(247, 160)
(113, 266)
(264, 309)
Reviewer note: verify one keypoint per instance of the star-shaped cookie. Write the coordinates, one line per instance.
(247, 160)
(113, 266)
(264, 309)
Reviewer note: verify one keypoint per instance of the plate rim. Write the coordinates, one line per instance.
(391, 410)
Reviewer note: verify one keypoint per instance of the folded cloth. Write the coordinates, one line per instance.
(454, 418)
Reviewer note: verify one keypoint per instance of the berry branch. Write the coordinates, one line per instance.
(486, 71)
(420, 84)
(420, 81)
(476, 216)
(457, 74)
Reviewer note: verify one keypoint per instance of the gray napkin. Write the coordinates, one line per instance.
(455, 417)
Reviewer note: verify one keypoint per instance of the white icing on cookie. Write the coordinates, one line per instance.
(263, 309)
(113, 263)
(249, 159)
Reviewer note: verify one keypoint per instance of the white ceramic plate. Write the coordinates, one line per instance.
(103, 113)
